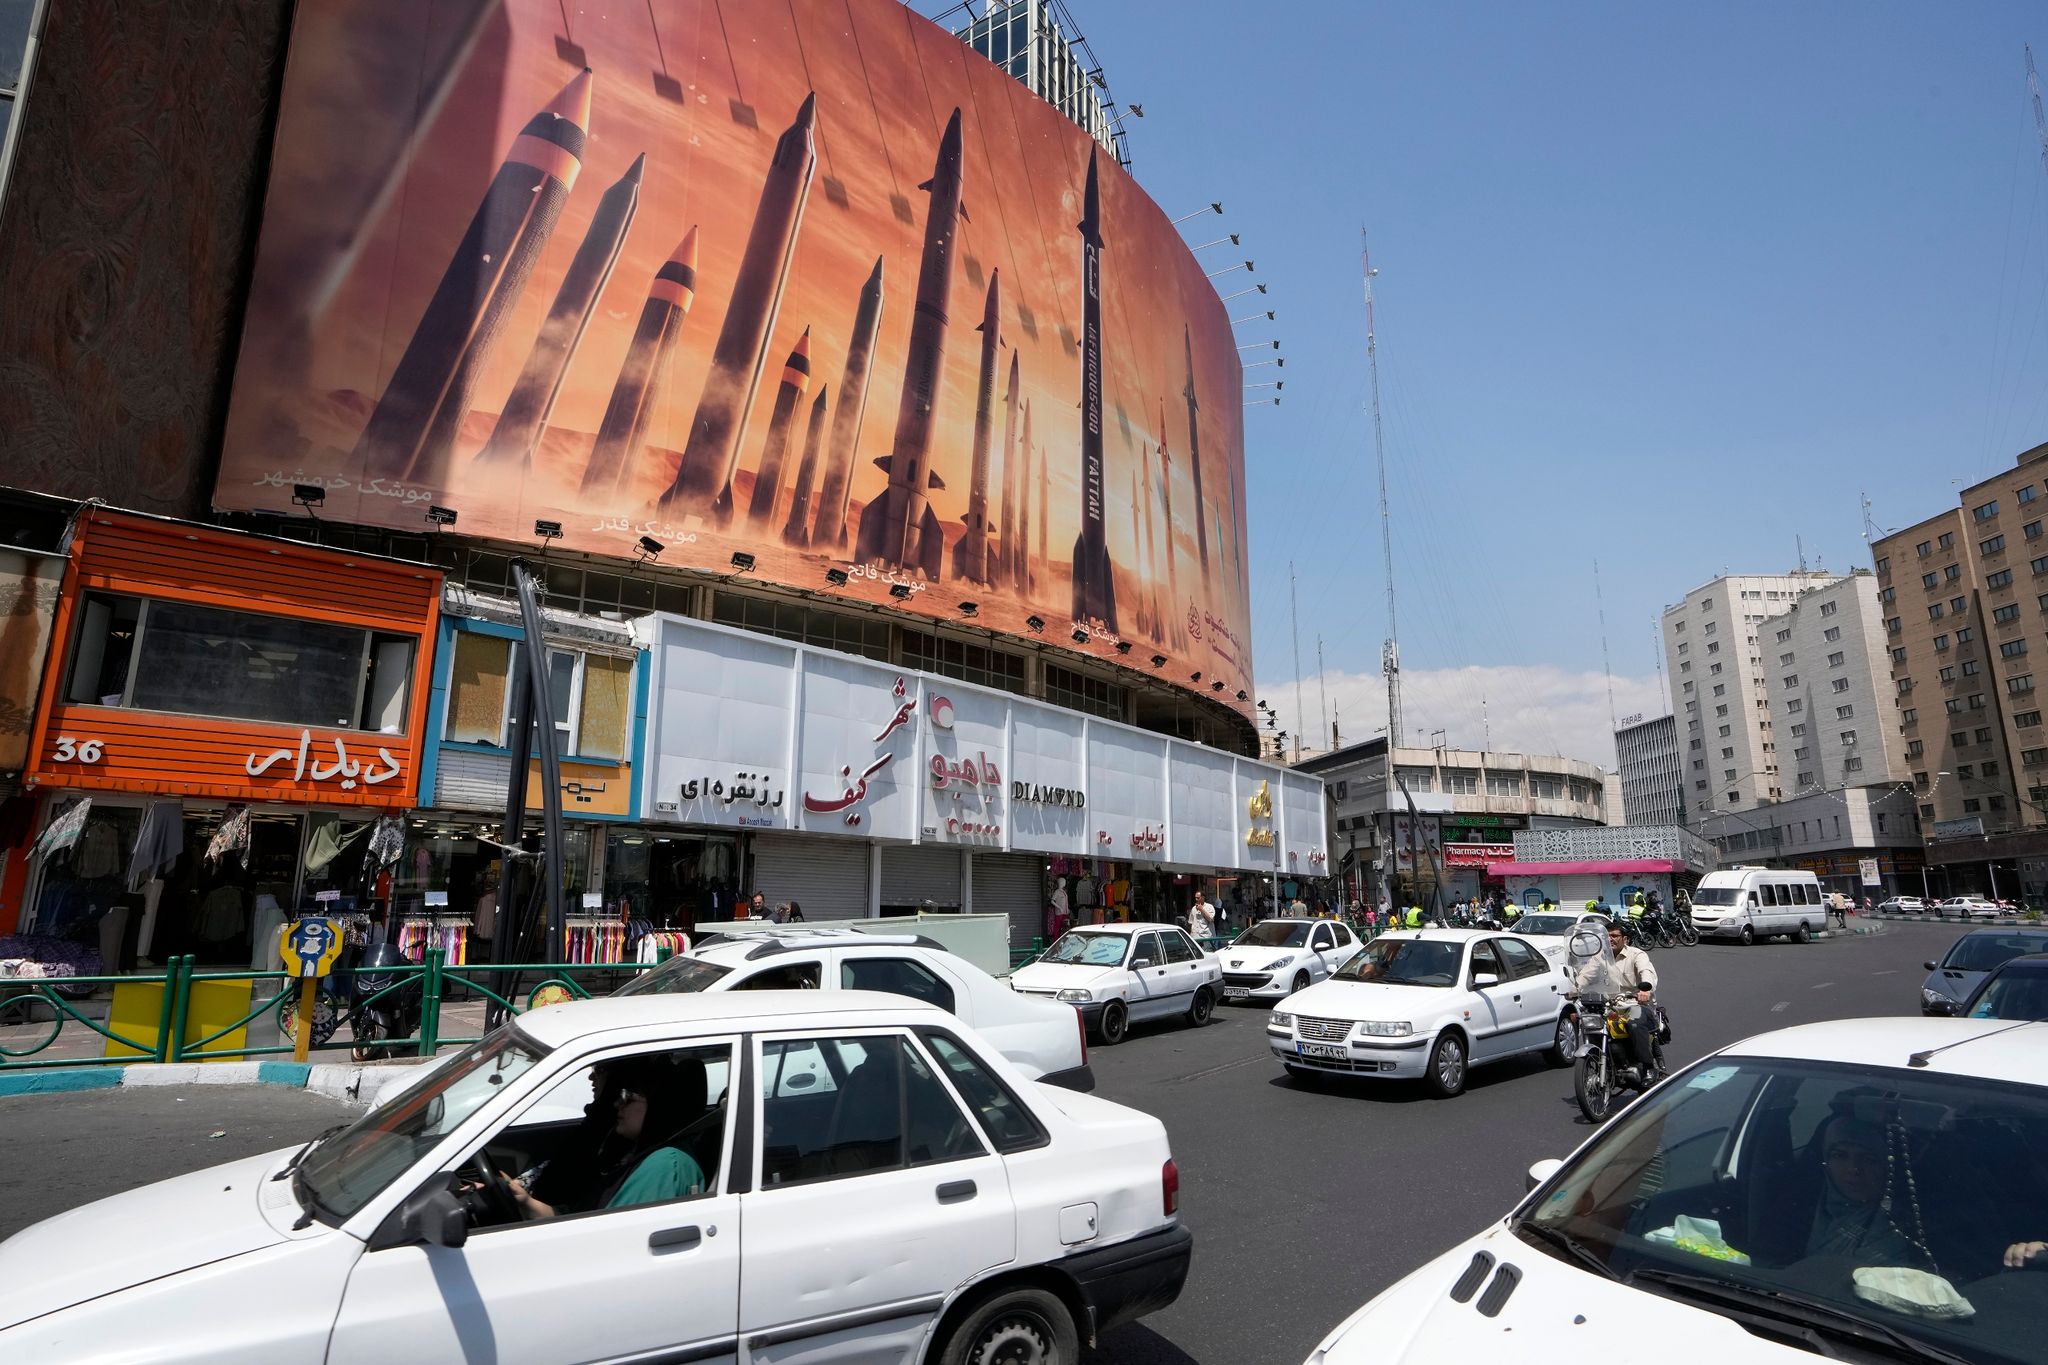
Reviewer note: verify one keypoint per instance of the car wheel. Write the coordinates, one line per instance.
(1748, 936)
(1300, 982)
(1564, 1043)
(1446, 1076)
(1203, 1006)
(1015, 1327)
(1805, 934)
(1116, 1022)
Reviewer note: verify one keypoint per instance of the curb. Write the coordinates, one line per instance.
(360, 1085)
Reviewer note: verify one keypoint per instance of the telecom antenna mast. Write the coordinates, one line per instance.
(1390, 657)
(2034, 93)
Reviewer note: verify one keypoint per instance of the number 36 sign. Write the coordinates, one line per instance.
(73, 750)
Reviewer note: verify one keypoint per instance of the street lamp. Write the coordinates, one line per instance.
(1268, 315)
(1232, 239)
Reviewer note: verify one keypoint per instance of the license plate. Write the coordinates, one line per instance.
(1236, 992)
(1321, 1050)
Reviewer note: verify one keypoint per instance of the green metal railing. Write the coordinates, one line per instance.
(25, 1038)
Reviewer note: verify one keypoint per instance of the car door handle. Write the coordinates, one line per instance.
(954, 1191)
(680, 1238)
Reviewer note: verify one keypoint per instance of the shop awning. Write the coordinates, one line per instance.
(1596, 865)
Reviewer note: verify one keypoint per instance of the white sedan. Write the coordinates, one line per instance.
(1428, 1004)
(746, 1154)
(1867, 1189)
(1276, 957)
(1118, 974)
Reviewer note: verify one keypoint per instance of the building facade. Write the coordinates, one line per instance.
(1718, 691)
(1844, 837)
(1834, 711)
(1964, 594)
(1570, 867)
(1036, 41)
(1652, 785)
(1447, 814)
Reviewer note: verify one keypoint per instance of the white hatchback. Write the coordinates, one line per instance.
(790, 1176)
(1867, 1189)
(1045, 1040)
(1116, 974)
(1428, 1004)
(1276, 957)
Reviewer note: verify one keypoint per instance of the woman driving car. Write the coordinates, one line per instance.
(642, 1163)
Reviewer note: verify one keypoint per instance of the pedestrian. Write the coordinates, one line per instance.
(757, 908)
(1201, 920)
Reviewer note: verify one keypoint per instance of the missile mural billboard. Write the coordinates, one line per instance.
(470, 294)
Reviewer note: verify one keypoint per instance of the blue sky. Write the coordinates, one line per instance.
(1660, 286)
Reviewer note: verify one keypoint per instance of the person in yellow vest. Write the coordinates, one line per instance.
(1636, 908)
(1549, 906)
(1414, 920)
(1510, 911)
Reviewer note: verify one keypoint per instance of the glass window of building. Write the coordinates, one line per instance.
(1079, 692)
(967, 660)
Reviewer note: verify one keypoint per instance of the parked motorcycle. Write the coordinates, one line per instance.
(377, 1010)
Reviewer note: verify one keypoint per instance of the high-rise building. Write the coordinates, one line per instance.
(1718, 696)
(1038, 42)
(1834, 714)
(1652, 785)
(1962, 636)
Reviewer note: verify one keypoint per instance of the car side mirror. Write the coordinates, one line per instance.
(1141, 964)
(435, 1217)
(1930, 966)
(1481, 980)
(1543, 1170)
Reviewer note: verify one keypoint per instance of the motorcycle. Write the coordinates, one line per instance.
(1605, 1069)
(377, 1010)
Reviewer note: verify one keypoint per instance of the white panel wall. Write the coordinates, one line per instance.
(966, 776)
(857, 748)
(1203, 804)
(718, 724)
(1127, 792)
(1047, 751)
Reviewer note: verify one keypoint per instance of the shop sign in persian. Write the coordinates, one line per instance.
(966, 793)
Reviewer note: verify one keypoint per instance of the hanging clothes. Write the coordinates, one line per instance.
(158, 843)
(62, 833)
(387, 840)
(98, 853)
(231, 837)
(327, 842)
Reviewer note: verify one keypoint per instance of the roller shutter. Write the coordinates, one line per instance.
(827, 877)
(1011, 884)
(920, 877)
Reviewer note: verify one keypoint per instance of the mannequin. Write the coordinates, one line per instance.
(1058, 923)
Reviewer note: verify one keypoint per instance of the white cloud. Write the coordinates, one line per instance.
(1532, 710)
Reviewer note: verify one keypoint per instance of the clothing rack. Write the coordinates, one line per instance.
(649, 946)
(593, 939)
(421, 930)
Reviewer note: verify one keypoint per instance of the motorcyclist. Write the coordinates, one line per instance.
(1626, 977)
(1414, 917)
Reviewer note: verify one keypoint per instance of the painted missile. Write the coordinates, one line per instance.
(636, 392)
(703, 482)
(1044, 510)
(411, 434)
(1172, 619)
(971, 559)
(1195, 454)
(1151, 553)
(797, 530)
(1138, 547)
(830, 530)
(1006, 556)
(1027, 577)
(1094, 579)
(796, 380)
(526, 411)
(899, 528)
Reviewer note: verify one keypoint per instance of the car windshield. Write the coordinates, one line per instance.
(1089, 950)
(346, 1171)
(677, 976)
(2021, 994)
(1839, 1204)
(1553, 925)
(1714, 895)
(1275, 933)
(1982, 952)
(1404, 962)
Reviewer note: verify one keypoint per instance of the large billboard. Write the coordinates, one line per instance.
(811, 282)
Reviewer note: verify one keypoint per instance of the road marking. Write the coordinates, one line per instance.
(1822, 985)
(1779, 1006)
(1211, 1071)
(1889, 971)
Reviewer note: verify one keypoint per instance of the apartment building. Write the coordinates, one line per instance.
(1652, 783)
(1834, 712)
(1964, 597)
(1719, 695)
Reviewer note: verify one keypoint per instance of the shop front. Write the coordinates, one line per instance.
(864, 790)
(619, 877)
(228, 729)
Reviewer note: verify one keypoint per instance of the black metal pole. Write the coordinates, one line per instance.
(539, 709)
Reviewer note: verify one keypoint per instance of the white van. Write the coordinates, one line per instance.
(1750, 903)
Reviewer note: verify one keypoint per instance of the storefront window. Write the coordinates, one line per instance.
(205, 661)
(672, 881)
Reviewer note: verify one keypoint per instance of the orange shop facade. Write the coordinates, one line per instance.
(228, 726)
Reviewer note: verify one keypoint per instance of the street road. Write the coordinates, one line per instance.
(1304, 1202)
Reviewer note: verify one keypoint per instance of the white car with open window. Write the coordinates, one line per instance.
(1277, 957)
(1120, 974)
(1866, 1190)
(1428, 1004)
(816, 1176)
